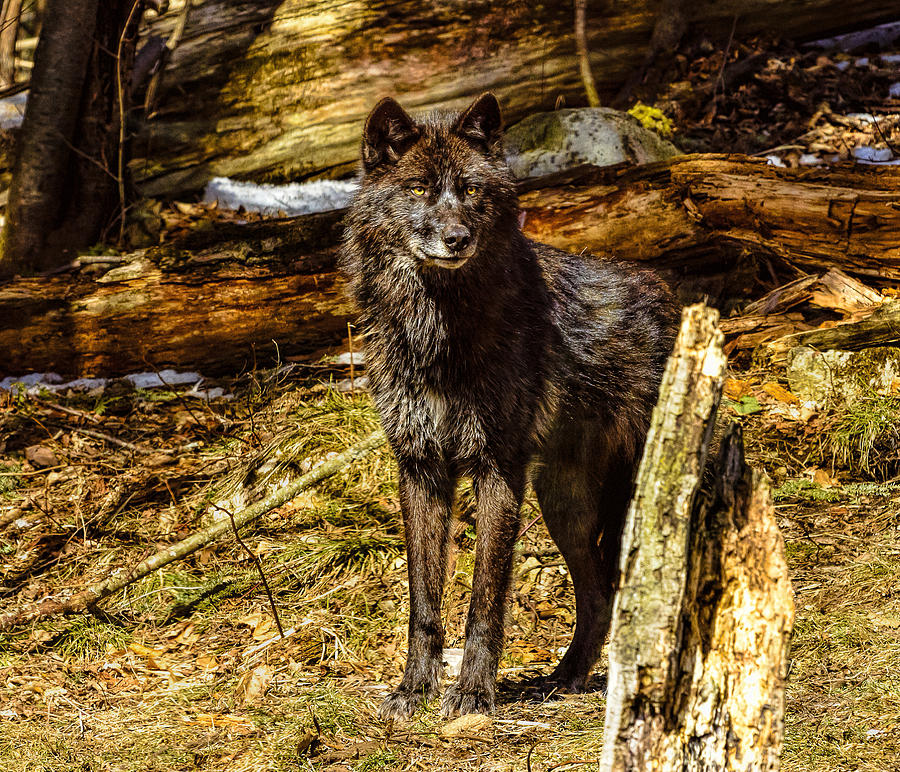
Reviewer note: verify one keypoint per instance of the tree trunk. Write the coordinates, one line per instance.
(277, 90)
(9, 28)
(66, 178)
(47, 133)
(703, 615)
(215, 298)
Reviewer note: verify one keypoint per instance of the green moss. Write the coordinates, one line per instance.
(652, 118)
(87, 638)
(867, 436)
(9, 478)
(805, 490)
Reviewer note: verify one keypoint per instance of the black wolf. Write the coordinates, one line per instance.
(492, 356)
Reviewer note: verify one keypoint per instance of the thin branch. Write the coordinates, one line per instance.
(120, 95)
(171, 45)
(255, 559)
(584, 58)
(101, 436)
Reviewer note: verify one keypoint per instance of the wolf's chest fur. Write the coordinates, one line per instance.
(453, 366)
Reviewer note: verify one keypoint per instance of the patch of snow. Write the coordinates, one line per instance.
(864, 117)
(293, 199)
(808, 159)
(774, 160)
(872, 154)
(31, 379)
(894, 90)
(163, 378)
(357, 384)
(453, 661)
(882, 36)
(890, 58)
(863, 61)
(12, 110)
(358, 358)
(843, 65)
(34, 383)
(207, 394)
(82, 384)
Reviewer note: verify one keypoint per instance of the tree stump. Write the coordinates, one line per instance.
(702, 619)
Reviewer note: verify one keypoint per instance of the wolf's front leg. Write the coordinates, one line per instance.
(426, 494)
(497, 523)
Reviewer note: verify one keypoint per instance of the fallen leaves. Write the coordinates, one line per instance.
(252, 685)
(468, 724)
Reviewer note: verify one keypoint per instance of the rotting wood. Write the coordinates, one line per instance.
(771, 317)
(702, 619)
(97, 592)
(276, 90)
(212, 299)
(880, 328)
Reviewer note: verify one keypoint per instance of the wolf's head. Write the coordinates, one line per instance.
(437, 189)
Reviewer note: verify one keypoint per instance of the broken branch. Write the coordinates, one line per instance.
(96, 592)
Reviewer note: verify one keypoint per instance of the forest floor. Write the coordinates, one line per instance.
(184, 669)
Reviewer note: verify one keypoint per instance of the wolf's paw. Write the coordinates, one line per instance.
(543, 687)
(458, 701)
(564, 683)
(402, 703)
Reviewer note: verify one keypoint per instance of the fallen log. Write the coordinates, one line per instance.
(220, 298)
(703, 615)
(276, 90)
(879, 328)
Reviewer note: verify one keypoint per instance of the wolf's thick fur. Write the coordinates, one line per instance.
(490, 355)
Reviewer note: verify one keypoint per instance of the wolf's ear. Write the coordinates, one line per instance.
(482, 122)
(388, 134)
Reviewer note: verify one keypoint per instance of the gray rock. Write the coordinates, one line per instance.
(550, 142)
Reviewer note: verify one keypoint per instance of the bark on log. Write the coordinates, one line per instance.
(276, 90)
(702, 619)
(9, 29)
(880, 328)
(845, 217)
(208, 300)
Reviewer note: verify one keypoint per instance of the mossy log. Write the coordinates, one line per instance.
(215, 298)
(277, 90)
(703, 615)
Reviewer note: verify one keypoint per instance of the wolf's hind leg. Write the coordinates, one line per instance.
(584, 510)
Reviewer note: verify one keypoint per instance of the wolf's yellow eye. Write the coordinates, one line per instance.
(418, 190)
(471, 190)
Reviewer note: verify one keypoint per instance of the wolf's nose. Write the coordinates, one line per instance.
(456, 237)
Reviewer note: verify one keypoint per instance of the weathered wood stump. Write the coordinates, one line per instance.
(703, 615)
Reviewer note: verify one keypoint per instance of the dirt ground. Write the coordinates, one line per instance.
(184, 669)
